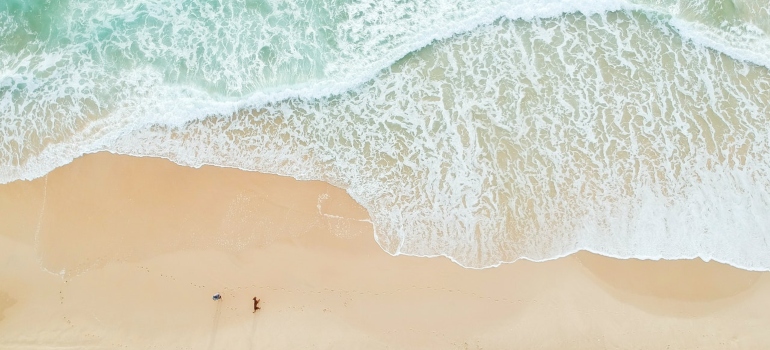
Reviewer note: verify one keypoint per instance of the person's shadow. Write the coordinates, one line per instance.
(253, 332)
(215, 326)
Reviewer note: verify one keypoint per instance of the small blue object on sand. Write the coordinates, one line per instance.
(217, 296)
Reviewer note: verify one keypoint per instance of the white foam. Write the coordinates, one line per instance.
(177, 104)
(518, 140)
(499, 156)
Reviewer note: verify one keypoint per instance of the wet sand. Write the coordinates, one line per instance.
(117, 252)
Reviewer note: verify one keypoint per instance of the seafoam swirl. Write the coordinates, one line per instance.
(538, 131)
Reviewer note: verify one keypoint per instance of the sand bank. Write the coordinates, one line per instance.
(120, 252)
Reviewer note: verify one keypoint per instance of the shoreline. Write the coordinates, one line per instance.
(137, 246)
(499, 263)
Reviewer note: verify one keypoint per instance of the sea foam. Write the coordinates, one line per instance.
(556, 128)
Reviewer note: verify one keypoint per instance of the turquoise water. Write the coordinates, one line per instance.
(486, 132)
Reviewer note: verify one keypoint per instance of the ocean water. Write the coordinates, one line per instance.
(484, 131)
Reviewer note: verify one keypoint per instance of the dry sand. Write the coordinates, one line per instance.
(116, 252)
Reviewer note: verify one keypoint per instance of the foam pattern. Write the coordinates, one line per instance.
(528, 139)
(484, 131)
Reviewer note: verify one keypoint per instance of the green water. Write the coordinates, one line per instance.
(486, 131)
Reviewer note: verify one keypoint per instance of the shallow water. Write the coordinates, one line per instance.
(630, 129)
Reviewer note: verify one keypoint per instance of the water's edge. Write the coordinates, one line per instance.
(513, 135)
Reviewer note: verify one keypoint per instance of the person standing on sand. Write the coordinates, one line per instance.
(256, 301)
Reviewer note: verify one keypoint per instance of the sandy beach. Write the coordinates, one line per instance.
(118, 252)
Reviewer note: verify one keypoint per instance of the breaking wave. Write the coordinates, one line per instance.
(486, 131)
